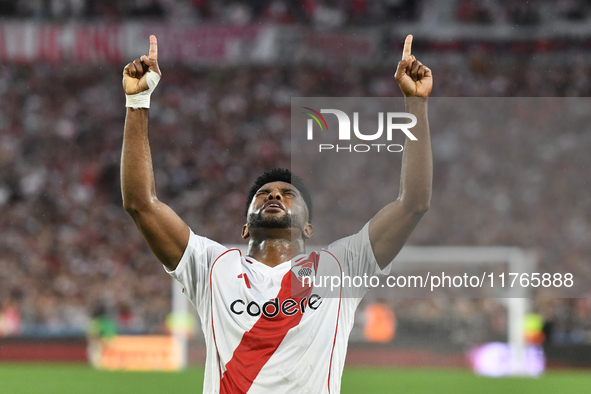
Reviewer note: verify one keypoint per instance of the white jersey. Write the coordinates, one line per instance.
(267, 330)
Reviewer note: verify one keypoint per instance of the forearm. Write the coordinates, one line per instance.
(417, 161)
(137, 175)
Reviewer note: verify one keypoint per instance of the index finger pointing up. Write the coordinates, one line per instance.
(153, 48)
(407, 45)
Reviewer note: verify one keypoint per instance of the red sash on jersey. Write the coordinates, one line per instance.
(262, 340)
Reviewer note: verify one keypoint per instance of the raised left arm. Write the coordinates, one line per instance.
(391, 227)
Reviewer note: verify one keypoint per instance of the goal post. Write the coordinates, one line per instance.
(515, 259)
(178, 326)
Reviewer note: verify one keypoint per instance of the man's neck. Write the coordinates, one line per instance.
(273, 251)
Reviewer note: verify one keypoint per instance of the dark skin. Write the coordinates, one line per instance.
(390, 228)
(273, 246)
(167, 234)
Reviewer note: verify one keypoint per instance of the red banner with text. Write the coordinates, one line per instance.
(29, 42)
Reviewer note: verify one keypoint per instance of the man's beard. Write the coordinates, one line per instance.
(258, 221)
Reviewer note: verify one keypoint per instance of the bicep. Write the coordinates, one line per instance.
(389, 229)
(165, 232)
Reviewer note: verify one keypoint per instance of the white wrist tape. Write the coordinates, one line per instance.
(142, 100)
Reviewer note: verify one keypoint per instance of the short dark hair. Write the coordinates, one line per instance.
(280, 175)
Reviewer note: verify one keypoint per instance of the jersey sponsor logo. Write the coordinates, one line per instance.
(274, 307)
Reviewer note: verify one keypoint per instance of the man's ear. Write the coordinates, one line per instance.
(245, 233)
(308, 231)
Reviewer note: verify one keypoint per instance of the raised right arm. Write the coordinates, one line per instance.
(166, 233)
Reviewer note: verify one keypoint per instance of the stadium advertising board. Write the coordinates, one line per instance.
(136, 353)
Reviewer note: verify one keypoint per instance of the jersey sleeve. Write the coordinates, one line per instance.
(356, 256)
(192, 272)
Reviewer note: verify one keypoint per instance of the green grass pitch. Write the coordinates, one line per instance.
(73, 379)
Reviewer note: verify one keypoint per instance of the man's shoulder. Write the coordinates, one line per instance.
(357, 240)
(199, 244)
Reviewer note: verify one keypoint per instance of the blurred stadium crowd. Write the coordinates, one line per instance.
(68, 247)
(325, 13)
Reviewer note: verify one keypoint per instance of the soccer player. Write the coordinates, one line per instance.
(267, 328)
